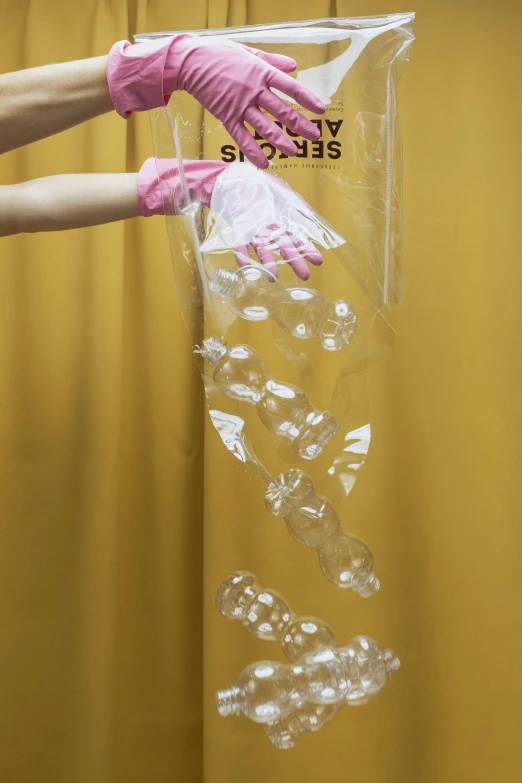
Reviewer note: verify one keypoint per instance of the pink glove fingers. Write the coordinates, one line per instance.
(308, 251)
(230, 80)
(246, 142)
(288, 116)
(279, 61)
(267, 128)
(293, 257)
(243, 259)
(292, 88)
(273, 239)
(265, 255)
(242, 255)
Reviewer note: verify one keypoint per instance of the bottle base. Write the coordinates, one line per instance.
(391, 662)
(314, 439)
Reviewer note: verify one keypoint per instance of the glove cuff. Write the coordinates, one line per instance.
(159, 180)
(136, 75)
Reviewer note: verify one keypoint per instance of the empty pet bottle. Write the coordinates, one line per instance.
(266, 615)
(285, 410)
(312, 520)
(253, 294)
(267, 691)
(303, 718)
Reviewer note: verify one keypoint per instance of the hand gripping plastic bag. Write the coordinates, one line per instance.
(286, 278)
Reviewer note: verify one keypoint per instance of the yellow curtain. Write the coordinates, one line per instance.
(121, 512)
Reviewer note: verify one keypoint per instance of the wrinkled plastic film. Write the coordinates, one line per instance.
(285, 363)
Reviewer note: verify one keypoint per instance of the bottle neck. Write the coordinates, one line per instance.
(226, 283)
(213, 350)
(229, 701)
(365, 583)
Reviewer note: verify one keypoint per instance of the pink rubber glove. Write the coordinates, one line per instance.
(247, 197)
(230, 80)
(253, 210)
(199, 179)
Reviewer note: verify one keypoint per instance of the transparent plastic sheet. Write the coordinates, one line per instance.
(285, 363)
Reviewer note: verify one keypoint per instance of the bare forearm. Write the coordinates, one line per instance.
(67, 201)
(40, 102)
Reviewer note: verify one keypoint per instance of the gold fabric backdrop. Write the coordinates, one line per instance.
(121, 512)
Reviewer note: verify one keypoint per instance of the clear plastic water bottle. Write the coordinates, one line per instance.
(312, 520)
(252, 294)
(266, 614)
(267, 691)
(240, 373)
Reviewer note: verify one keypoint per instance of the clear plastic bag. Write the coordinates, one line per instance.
(285, 363)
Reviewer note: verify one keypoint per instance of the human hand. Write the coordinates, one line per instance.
(249, 209)
(232, 81)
